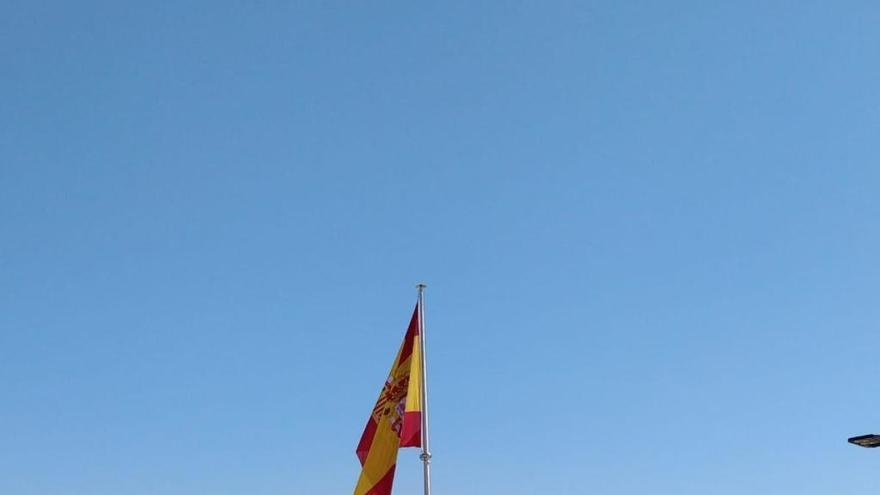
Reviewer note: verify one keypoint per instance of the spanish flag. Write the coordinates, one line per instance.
(396, 420)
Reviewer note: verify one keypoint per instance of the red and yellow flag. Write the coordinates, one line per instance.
(396, 420)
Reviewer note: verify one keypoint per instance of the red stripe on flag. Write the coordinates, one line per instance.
(411, 432)
(366, 442)
(383, 487)
(411, 332)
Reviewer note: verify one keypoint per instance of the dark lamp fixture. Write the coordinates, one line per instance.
(869, 441)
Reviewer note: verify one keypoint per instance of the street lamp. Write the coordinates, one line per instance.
(868, 441)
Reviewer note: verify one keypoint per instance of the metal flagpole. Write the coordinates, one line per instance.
(426, 451)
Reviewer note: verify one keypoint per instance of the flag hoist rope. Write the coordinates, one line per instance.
(426, 451)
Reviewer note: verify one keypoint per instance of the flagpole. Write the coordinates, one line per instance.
(426, 450)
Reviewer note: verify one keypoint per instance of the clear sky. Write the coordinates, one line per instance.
(649, 229)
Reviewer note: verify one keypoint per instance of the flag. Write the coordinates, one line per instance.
(396, 420)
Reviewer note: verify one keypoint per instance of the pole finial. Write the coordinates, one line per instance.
(421, 286)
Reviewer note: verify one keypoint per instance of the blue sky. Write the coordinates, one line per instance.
(650, 234)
